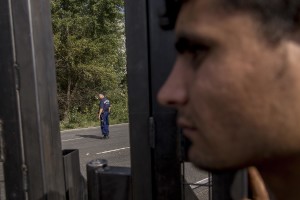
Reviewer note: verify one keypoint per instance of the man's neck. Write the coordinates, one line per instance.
(282, 177)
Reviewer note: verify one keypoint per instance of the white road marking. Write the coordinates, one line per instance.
(104, 152)
(72, 139)
(204, 181)
(88, 154)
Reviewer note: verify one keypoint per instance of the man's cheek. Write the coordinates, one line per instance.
(193, 154)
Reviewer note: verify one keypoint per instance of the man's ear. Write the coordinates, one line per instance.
(292, 48)
(295, 35)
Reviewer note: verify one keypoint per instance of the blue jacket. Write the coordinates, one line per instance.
(104, 104)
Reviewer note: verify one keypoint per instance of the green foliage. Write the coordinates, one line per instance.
(90, 58)
(119, 112)
(78, 119)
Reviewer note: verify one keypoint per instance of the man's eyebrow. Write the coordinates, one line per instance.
(188, 42)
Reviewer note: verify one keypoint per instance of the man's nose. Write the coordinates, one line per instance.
(173, 93)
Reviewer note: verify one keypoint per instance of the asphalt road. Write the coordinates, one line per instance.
(116, 150)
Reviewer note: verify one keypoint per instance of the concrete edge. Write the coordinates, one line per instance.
(81, 129)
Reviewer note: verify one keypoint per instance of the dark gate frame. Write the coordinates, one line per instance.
(33, 164)
(155, 150)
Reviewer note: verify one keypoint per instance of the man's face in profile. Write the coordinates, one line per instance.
(237, 94)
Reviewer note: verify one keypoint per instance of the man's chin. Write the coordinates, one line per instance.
(198, 160)
(209, 163)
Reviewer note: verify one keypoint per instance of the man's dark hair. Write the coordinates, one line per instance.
(278, 17)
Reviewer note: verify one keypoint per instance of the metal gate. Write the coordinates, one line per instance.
(32, 164)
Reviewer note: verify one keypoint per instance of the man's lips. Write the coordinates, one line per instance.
(186, 125)
(188, 129)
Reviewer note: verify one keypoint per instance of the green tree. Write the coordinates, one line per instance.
(90, 56)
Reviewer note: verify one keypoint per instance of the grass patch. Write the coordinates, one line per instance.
(79, 120)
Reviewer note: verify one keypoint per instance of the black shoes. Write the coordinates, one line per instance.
(104, 137)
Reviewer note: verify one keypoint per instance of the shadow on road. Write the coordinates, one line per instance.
(90, 136)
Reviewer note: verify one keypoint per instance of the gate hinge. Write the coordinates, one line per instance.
(25, 177)
(152, 132)
(17, 75)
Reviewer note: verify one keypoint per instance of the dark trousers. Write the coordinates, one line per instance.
(104, 123)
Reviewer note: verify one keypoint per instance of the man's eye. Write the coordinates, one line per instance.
(197, 55)
(194, 52)
(198, 51)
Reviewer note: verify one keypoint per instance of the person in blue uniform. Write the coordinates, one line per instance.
(103, 115)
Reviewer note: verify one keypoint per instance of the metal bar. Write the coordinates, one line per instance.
(229, 185)
(38, 103)
(167, 166)
(139, 97)
(108, 182)
(188, 193)
(115, 183)
(93, 183)
(239, 189)
(210, 187)
(74, 182)
(150, 57)
(9, 115)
